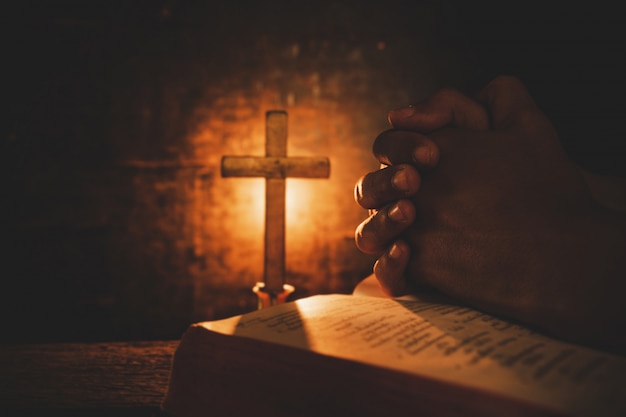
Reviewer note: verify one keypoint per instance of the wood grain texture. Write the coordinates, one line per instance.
(126, 377)
(274, 273)
(276, 133)
(258, 166)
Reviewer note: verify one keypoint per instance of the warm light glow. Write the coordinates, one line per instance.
(320, 213)
(299, 206)
(250, 193)
(306, 199)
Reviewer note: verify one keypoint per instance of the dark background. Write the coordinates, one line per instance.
(571, 56)
(64, 66)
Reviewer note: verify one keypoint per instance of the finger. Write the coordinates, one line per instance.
(508, 102)
(394, 147)
(377, 232)
(390, 268)
(447, 107)
(378, 188)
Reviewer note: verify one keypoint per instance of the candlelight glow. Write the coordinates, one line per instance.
(300, 205)
(250, 193)
(320, 213)
(249, 196)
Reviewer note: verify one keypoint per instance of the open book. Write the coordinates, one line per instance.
(350, 355)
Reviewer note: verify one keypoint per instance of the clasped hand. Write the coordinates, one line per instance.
(476, 198)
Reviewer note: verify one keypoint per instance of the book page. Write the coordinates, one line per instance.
(449, 342)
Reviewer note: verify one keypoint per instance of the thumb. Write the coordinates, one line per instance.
(447, 107)
(509, 103)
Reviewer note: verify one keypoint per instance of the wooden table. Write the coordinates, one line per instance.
(102, 379)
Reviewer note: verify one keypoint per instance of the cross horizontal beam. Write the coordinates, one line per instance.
(268, 167)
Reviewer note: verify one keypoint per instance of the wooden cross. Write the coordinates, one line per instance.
(275, 167)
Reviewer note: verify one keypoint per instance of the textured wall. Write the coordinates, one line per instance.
(122, 226)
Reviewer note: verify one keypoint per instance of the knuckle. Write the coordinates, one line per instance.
(373, 189)
(506, 81)
(446, 94)
(503, 83)
(358, 191)
(380, 147)
(365, 238)
(391, 281)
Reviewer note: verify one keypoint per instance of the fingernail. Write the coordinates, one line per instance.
(395, 252)
(401, 113)
(423, 155)
(396, 214)
(400, 181)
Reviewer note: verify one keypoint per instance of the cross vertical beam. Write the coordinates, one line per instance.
(275, 146)
(275, 167)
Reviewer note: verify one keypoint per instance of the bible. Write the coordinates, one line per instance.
(343, 355)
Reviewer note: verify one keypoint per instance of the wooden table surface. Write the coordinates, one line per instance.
(118, 378)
